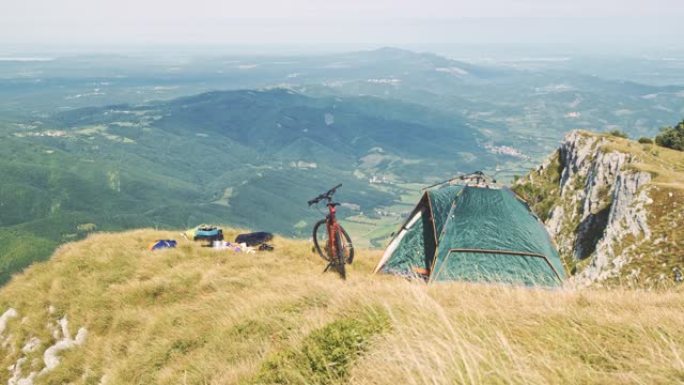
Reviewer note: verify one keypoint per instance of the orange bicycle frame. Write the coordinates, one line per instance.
(333, 228)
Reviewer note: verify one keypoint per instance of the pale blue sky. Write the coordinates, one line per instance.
(139, 22)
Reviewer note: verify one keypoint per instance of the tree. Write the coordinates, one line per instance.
(672, 137)
(618, 133)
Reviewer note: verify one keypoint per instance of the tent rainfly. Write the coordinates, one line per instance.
(473, 233)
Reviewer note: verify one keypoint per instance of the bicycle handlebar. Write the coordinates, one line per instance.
(327, 195)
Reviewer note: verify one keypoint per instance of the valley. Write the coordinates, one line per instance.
(106, 143)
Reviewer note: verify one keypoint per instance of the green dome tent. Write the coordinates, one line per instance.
(473, 233)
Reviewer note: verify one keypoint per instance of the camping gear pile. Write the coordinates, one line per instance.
(473, 232)
(244, 243)
(247, 243)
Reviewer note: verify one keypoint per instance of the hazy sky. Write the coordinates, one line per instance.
(139, 22)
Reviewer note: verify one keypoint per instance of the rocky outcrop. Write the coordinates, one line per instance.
(599, 205)
(627, 216)
(63, 341)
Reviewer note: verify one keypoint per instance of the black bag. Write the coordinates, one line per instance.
(254, 239)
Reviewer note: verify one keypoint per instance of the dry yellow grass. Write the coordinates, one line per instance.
(198, 316)
(665, 164)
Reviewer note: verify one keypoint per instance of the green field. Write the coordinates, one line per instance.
(373, 230)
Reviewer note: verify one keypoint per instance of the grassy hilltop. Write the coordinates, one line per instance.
(198, 316)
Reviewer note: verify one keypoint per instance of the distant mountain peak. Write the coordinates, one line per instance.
(389, 49)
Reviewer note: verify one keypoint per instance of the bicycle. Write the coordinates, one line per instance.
(334, 244)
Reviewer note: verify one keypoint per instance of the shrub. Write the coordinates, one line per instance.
(645, 140)
(618, 133)
(327, 354)
(672, 137)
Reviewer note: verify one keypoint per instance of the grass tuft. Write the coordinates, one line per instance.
(326, 354)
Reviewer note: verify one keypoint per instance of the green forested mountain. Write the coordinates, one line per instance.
(247, 158)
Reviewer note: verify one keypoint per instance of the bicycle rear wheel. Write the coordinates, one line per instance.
(321, 244)
(347, 246)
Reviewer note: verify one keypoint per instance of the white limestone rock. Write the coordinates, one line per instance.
(64, 341)
(51, 357)
(601, 201)
(5, 317)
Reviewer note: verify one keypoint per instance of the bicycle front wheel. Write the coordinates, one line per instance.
(322, 246)
(341, 256)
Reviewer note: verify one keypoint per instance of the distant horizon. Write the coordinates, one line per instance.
(493, 49)
(261, 35)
